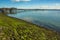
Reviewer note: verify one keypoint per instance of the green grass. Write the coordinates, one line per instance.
(15, 29)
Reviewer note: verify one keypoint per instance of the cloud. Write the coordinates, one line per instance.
(55, 6)
(21, 0)
(41, 7)
(47, 6)
(52, 6)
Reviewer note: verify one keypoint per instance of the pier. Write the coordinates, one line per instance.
(8, 10)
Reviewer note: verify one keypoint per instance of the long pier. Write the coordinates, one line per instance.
(8, 10)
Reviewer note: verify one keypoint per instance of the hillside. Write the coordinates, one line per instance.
(15, 29)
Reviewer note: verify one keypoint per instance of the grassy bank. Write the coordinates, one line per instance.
(15, 29)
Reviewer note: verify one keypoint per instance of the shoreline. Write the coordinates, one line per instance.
(19, 28)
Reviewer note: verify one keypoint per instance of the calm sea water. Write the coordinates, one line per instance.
(47, 19)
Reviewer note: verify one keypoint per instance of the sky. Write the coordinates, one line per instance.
(31, 4)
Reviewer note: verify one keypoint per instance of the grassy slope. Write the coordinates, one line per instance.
(15, 29)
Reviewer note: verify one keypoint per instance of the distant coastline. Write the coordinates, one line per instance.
(42, 9)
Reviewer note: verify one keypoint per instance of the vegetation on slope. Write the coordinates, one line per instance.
(15, 29)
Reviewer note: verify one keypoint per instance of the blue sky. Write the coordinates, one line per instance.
(55, 4)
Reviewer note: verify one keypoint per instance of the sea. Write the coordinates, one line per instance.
(45, 18)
